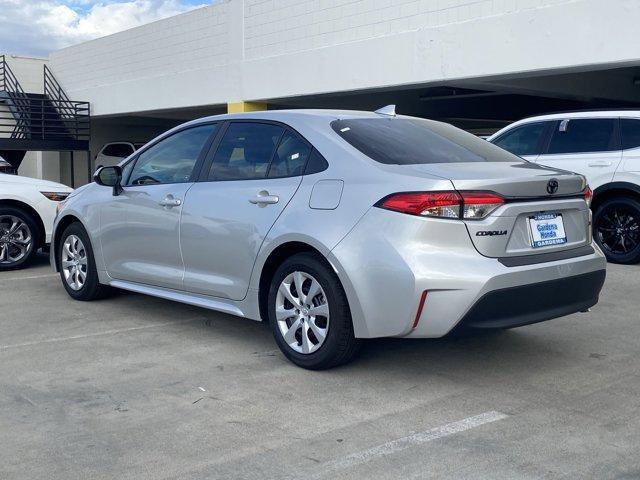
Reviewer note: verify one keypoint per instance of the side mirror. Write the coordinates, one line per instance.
(110, 177)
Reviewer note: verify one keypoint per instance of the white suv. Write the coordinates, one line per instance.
(605, 147)
(113, 153)
(27, 211)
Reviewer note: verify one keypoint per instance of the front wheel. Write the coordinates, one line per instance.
(309, 314)
(18, 238)
(616, 228)
(77, 265)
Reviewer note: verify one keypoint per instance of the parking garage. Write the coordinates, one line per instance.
(461, 63)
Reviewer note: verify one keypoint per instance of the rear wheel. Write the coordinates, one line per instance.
(19, 236)
(77, 265)
(309, 314)
(616, 229)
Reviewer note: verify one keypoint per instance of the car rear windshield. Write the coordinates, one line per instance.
(410, 141)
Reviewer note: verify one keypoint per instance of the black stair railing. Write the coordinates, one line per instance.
(17, 102)
(48, 116)
(54, 91)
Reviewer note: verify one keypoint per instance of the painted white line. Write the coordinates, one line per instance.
(403, 443)
(90, 335)
(33, 277)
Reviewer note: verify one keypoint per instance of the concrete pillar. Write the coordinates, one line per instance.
(239, 107)
(44, 165)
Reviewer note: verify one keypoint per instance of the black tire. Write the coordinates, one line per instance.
(92, 288)
(340, 345)
(616, 229)
(34, 231)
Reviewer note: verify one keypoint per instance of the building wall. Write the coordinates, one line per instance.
(28, 71)
(280, 27)
(183, 42)
(261, 49)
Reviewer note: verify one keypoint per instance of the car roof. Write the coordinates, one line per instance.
(569, 115)
(288, 115)
(582, 114)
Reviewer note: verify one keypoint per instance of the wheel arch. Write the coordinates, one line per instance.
(286, 248)
(613, 189)
(61, 226)
(31, 211)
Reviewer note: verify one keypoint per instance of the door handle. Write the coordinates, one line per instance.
(600, 163)
(169, 202)
(263, 198)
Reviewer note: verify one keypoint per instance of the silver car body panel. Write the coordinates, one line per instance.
(219, 219)
(384, 259)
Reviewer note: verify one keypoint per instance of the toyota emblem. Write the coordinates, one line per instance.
(552, 186)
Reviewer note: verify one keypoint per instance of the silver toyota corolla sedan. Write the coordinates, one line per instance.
(335, 226)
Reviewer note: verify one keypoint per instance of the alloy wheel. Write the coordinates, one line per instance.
(15, 239)
(302, 312)
(74, 262)
(618, 230)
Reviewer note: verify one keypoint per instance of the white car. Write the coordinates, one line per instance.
(605, 147)
(27, 211)
(113, 153)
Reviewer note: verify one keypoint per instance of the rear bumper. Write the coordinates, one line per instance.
(537, 302)
(389, 260)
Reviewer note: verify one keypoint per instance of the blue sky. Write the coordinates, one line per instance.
(36, 27)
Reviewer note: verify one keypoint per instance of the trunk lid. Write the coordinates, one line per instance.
(541, 203)
(515, 180)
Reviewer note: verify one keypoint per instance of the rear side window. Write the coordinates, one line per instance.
(291, 156)
(410, 141)
(630, 130)
(523, 140)
(316, 163)
(121, 150)
(245, 151)
(584, 136)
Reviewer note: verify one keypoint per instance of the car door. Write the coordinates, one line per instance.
(140, 227)
(590, 146)
(525, 140)
(255, 171)
(630, 167)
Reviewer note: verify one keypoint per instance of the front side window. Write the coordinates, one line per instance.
(584, 136)
(523, 140)
(173, 159)
(410, 141)
(630, 129)
(245, 151)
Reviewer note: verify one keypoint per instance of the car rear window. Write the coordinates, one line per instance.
(410, 141)
(121, 150)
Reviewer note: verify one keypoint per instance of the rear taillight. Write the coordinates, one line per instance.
(478, 205)
(588, 195)
(451, 204)
(429, 204)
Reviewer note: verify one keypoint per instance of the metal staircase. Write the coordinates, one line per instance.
(47, 121)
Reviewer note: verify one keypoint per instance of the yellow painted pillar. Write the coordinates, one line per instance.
(239, 107)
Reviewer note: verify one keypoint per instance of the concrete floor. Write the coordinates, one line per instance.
(137, 387)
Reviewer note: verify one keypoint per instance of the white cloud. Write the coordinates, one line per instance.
(36, 27)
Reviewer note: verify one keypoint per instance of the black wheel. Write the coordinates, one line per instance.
(309, 314)
(77, 265)
(19, 238)
(616, 229)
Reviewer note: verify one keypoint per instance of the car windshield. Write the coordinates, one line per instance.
(410, 141)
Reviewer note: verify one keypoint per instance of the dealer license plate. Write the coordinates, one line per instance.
(547, 229)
